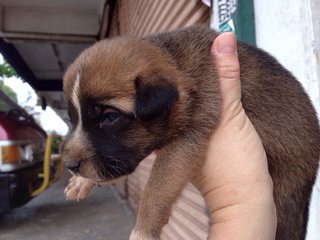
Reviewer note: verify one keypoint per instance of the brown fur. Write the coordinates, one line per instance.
(180, 61)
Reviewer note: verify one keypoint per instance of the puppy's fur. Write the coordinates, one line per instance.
(129, 97)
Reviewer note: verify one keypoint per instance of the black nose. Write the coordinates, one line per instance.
(72, 165)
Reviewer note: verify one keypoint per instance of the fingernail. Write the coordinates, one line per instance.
(225, 44)
(226, 50)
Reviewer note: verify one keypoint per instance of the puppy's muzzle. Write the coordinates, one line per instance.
(72, 165)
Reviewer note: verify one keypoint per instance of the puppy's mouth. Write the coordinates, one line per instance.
(104, 171)
(101, 171)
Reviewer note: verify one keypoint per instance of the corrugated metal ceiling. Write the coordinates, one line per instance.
(42, 37)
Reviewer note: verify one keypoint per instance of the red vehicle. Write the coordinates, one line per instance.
(23, 171)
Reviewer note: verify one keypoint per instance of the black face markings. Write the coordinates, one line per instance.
(108, 138)
(106, 129)
(153, 101)
(112, 157)
(103, 116)
(120, 140)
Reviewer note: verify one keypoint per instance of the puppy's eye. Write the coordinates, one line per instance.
(110, 117)
(106, 116)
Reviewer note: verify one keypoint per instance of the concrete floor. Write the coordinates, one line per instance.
(50, 217)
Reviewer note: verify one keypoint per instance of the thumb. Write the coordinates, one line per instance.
(225, 54)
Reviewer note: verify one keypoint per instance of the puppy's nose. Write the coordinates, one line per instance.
(72, 165)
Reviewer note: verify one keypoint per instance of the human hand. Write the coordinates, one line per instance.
(235, 181)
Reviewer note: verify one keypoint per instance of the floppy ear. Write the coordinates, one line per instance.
(154, 99)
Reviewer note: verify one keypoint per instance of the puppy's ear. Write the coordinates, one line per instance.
(154, 99)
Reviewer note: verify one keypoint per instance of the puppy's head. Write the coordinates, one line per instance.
(125, 101)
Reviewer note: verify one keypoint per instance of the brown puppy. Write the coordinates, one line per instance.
(130, 97)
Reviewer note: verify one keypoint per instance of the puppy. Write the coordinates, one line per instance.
(129, 97)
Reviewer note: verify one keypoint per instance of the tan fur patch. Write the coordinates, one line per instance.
(124, 104)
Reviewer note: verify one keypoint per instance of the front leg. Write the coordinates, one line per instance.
(174, 167)
(78, 188)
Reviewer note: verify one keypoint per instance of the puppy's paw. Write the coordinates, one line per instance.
(78, 188)
(139, 235)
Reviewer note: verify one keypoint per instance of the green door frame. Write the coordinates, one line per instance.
(244, 21)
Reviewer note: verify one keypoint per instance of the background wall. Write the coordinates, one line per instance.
(290, 31)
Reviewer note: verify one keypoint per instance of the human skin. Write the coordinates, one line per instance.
(235, 180)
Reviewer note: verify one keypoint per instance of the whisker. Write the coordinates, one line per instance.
(118, 161)
(105, 171)
(122, 169)
(115, 169)
(123, 164)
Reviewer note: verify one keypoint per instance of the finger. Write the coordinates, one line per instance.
(225, 54)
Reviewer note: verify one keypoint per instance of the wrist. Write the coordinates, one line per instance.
(242, 212)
